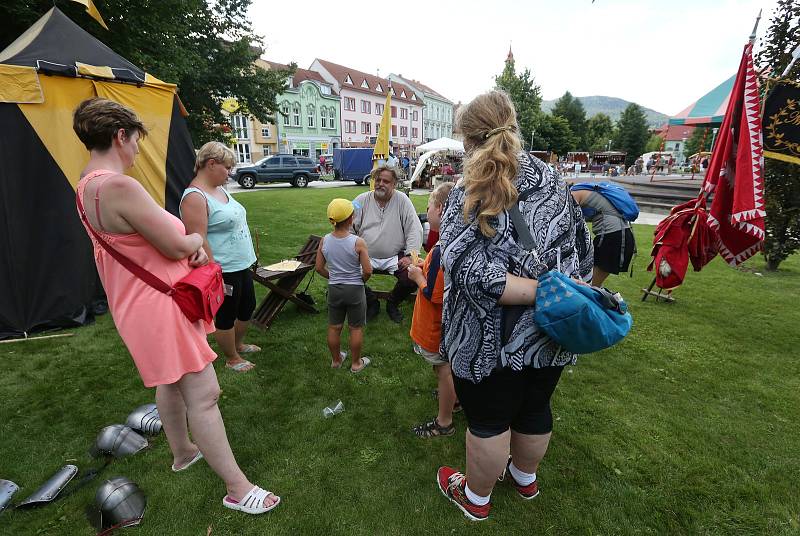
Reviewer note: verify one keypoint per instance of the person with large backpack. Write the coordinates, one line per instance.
(610, 209)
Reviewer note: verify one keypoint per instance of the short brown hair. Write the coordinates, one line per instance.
(375, 173)
(97, 120)
(440, 194)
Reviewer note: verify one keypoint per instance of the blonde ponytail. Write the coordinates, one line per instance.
(489, 127)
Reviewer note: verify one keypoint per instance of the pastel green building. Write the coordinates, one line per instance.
(308, 115)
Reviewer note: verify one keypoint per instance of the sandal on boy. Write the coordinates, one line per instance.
(253, 502)
(433, 429)
(249, 349)
(342, 356)
(366, 362)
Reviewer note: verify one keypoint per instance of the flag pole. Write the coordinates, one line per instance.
(755, 28)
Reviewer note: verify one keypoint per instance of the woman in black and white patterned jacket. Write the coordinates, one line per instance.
(504, 368)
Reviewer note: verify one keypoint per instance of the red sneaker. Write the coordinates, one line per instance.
(452, 485)
(526, 492)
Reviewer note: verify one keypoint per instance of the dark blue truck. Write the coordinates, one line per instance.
(352, 164)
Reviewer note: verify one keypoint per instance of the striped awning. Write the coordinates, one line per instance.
(708, 110)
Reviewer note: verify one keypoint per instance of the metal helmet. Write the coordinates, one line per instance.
(7, 490)
(145, 419)
(118, 501)
(117, 440)
(50, 489)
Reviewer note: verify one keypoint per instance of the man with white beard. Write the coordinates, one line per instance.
(388, 223)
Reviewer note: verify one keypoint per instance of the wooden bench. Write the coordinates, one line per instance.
(282, 285)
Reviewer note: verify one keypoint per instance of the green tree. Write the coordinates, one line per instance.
(571, 109)
(781, 179)
(553, 134)
(599, 129)
(524, 93)
(700, 140)
(207, 50)
(654, 143)
(632, 133)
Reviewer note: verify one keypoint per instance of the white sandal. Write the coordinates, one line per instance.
(253, 502)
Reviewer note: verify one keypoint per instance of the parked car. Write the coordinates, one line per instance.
(297, 170)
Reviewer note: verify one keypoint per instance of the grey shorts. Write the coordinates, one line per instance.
(347, 301)
(431, 357)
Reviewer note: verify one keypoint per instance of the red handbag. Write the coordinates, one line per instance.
(199, 294)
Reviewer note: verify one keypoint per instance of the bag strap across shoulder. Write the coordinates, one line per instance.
(131, 266)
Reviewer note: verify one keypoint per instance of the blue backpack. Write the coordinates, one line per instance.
(580, 318)
(615, 194)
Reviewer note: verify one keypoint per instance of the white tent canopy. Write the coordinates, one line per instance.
(422, 163)
(442, 144)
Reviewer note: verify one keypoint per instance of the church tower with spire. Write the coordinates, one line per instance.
(510, 56)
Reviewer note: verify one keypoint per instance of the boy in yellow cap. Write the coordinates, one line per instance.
(342, 258)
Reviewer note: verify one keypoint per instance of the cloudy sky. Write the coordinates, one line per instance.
(660, 54)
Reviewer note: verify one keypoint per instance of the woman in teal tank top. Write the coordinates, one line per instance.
(206, 208)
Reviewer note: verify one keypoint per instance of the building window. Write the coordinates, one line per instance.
(394, 111)
(677, 146)
(241, 126)
(394, 131)
(310, 111)
(323, 117)
(414, 115)
(379, 109)
(350, 127)
(366, 128)
(403, 113)
(296, 114)
(403, 132)
(325, 90)
(366, 107)
(264, 132)
(266, 150)
(350, 103)
(242, 153)
(331, 118)
(377, 128)
(414, 132)
(285, 114)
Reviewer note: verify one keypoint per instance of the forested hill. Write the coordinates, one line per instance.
(612, 107)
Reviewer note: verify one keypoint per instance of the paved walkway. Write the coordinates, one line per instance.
(234, 188)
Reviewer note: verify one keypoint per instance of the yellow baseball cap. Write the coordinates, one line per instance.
(339, 210)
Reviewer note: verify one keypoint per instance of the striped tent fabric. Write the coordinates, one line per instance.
(708, 110)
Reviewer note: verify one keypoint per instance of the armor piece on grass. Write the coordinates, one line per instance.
(117, 501)
(117, 440)
(7, 490)
(50, 489)
(145, 419)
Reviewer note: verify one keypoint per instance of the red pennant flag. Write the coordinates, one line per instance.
(735, 173)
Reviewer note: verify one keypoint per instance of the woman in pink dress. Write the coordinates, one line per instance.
(170, 352)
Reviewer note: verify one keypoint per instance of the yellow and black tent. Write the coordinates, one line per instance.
(47, 273)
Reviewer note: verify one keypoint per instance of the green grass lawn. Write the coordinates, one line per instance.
(689, 426)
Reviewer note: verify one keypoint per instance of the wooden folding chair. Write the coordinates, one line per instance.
(282, 285)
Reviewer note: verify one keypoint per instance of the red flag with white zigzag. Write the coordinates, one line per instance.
(735, 173)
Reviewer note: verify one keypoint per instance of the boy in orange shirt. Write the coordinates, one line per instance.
(426, 324)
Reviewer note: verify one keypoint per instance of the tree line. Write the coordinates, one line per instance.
(566, 127)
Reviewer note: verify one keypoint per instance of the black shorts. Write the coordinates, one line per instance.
(508, 399)
(609, 254)
(241, 304)
(347, 301)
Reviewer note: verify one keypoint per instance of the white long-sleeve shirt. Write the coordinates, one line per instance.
(388, 230)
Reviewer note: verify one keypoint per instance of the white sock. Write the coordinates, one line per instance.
(476, 499)
(521, 478)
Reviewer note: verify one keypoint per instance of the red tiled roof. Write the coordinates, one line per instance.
(675, 132)
(340, 73)
(300, 74)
